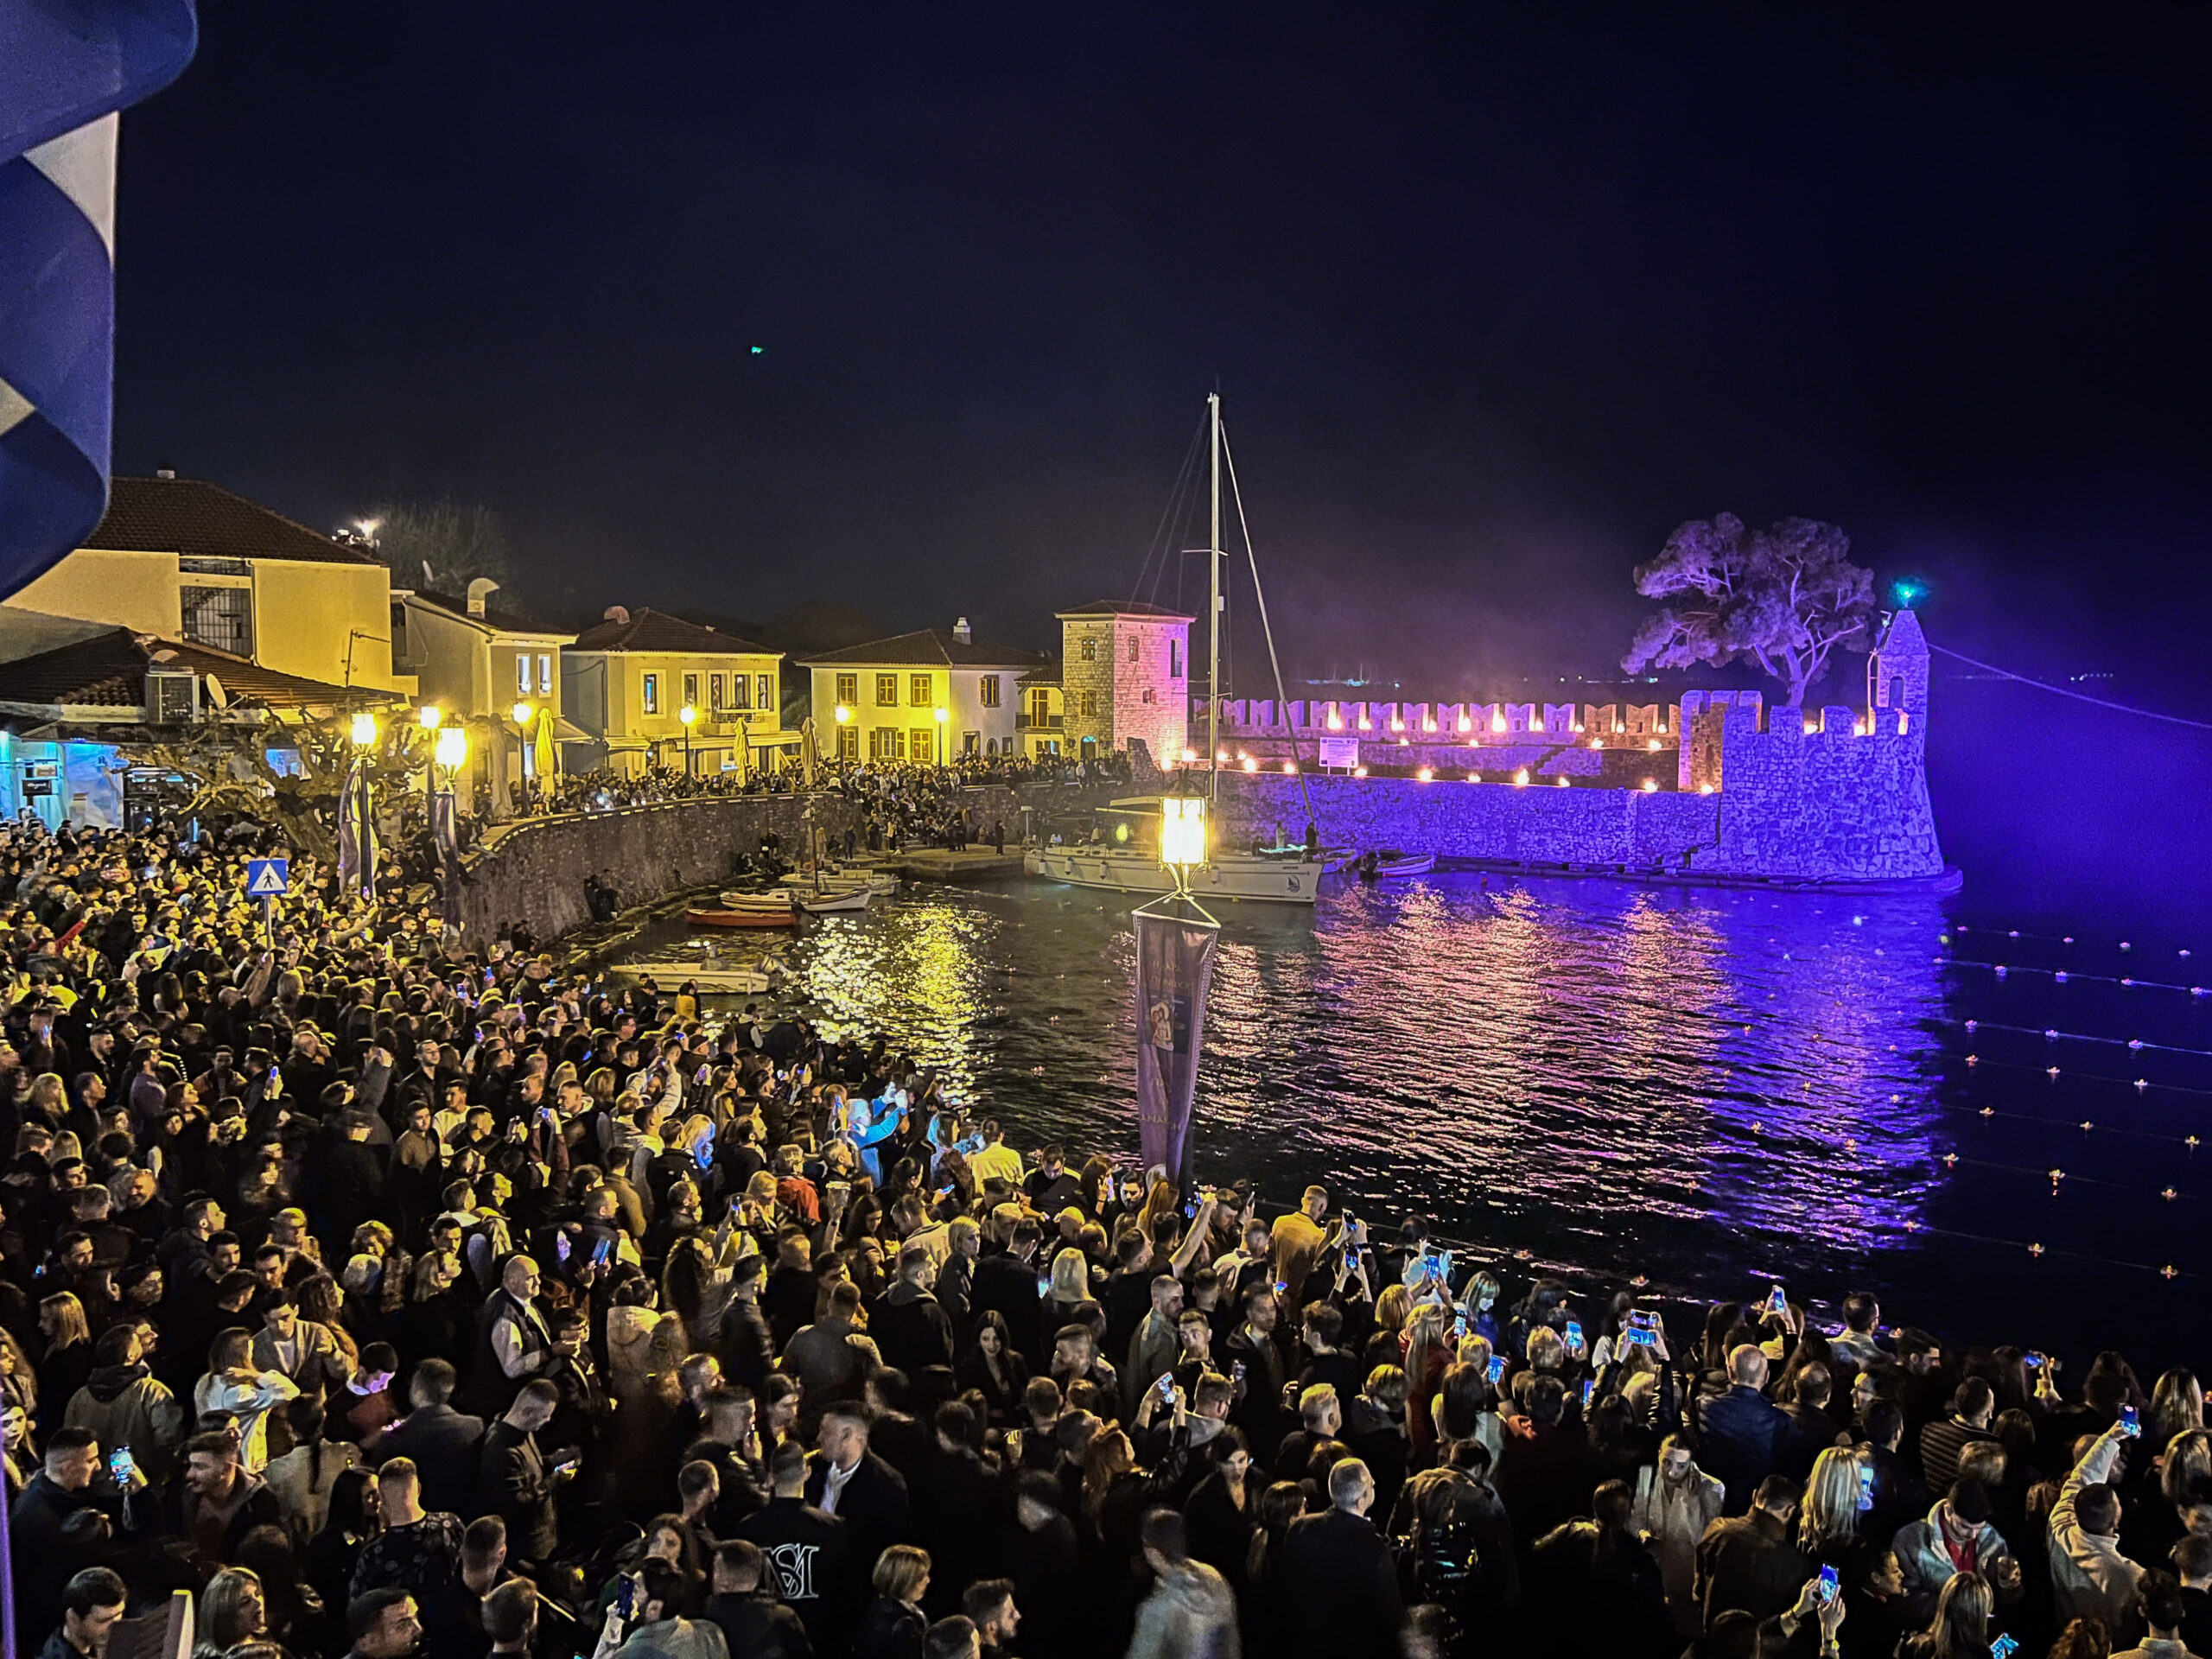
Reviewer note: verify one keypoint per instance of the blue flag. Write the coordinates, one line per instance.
(67, 67)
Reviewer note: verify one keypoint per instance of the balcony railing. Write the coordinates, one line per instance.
(1040, 723)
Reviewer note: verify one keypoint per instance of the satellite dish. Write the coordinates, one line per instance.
(616, 613)
(164, 655)
(216, 695)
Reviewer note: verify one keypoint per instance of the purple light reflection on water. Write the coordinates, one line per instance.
(1708, 1088)
(1531, 1065)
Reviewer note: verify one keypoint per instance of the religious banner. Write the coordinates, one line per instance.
(445, 833)
(357, 833)
(1176, 942)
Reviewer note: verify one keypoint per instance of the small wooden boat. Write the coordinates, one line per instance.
(783, 916)
(833, 900)
(781, 900)
(838, 880)
(712, 977)
(1389, 863)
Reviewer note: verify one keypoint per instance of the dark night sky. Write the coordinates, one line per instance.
(1493, 302)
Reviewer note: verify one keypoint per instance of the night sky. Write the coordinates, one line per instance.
(1493, 302)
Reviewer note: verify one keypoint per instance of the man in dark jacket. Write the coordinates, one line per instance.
(56, 1527)
(1545, 1471)
(216, 1503)
(92, 1604)
(1748, 1561)
(1006, 1284)
(746, 1348)
(808, 1552)
(850, 1482)
(442, 1442)
(513, 1481)
(1741, 1432)
(1974, 1407)
(752, 1620)
(909, 1324)
(1339, 1573)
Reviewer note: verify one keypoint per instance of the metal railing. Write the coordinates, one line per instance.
(1040, 723)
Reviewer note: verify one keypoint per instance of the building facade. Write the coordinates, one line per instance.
(479, 661)
(626, 685)
(1125, 672)
(928, 698)
(180, 559)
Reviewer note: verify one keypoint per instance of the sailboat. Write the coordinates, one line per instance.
(1122, 852)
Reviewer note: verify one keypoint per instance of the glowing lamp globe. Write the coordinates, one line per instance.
(365, 729)
(843, 714)
(452, 752)
(1182, 830)
(431, 716)
(1427, 774)
(941, 714)
(1521, 778)
(522, 712)
(1652, 744)
(1562, 783)
(1474, 777)
(1359, 772)
(687, 714)
(1290, 768)
(1250, 765)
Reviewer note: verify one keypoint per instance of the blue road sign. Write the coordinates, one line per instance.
(267, 877)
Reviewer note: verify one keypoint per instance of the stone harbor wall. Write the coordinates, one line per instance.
(1627, 829)
(1776, 802)
(534, 872)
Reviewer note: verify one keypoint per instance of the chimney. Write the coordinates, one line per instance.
(480, 590)
(963, 633)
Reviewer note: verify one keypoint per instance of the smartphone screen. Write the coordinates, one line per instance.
(601, 1250)
(1044, 1288)
(1167, 1388)
(1496, 1370)
(2130, 1422)
(1829, 1585)
(2004, 1647)
(561, 1246)
(1237, 1372)
(1776, 1302)
(1573, 1334)
(121, 1464)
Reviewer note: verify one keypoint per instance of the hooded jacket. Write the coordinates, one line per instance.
(123, 1405)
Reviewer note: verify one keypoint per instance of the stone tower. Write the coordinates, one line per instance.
(1125, 672)
(1897, 677)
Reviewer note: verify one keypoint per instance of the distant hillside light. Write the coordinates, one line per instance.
(1909, 593)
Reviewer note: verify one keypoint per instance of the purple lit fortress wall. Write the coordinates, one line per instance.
(1837, 795)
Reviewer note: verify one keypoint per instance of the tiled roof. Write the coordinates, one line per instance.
(1043, 674)
(650, 630)
(192, 517)
(1113, 607)
(491, 616)
(109, 671)
(926, 648)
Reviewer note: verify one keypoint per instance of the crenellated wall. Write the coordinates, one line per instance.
(1835, 794)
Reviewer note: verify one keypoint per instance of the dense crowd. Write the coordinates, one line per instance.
(393, 1297)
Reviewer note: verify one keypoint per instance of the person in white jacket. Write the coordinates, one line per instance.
(2089, 1578)
(232, 1384)
(1676, 1502)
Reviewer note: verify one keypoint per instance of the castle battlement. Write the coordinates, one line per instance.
(1832, 793)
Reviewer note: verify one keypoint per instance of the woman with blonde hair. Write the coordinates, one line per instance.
(50, 1097)
(1960, 1627)
(1387, 1346)
(894, 1626)
(1069, 1290)
(1828, 1516)
(232, 1384)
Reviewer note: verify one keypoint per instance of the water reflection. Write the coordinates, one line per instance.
(1732, 1079)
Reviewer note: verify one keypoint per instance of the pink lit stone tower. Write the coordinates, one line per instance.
(1125, 672)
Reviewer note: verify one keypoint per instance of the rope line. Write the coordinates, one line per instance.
(2078, 696)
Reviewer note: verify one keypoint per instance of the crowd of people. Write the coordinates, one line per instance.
(389, 1297)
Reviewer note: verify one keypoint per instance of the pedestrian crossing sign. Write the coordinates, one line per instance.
(267, 877)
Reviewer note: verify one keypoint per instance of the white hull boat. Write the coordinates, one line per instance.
(876, 881)
(709, 976)
(1227, 876)
(833, 900)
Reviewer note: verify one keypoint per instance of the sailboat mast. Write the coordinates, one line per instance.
(1213, 609)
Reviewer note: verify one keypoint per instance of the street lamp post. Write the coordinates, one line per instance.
(943, 715)
(688, 715)
(522, 712)
(448, 756)
(843, 716)
(430, 717)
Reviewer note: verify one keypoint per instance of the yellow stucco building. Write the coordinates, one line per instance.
(180, 559)
(626, 684)
(928, 698)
